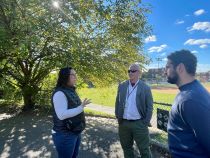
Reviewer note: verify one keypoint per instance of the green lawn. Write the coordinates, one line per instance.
(207, 84)
(163, 97)
(103, 96)
(97, 113)
(106, 96)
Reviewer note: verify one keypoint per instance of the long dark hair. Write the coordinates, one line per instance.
(63, 77)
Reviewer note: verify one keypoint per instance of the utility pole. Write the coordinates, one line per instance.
(158, 60)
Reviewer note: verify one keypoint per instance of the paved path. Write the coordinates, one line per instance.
(101, 108)
(29, 136)
(110, 110)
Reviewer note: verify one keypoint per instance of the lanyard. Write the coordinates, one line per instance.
(129, 93)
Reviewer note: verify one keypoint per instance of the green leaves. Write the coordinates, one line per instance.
(98, 38)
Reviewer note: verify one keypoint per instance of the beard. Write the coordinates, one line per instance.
(173, 79)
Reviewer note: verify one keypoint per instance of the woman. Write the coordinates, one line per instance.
(68, 115)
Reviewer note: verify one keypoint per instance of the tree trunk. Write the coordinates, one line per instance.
(29, 93)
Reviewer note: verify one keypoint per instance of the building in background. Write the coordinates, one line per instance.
(203, 76)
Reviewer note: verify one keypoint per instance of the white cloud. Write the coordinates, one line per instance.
(187, 15)
(165, 59)
(203, 46)
(150, 39)
(204, 26)
(199, 12)
(178, 22)
(203, 67)
(194, 51)
(197, 41)
(163, 54)
(203, 43)
(157, 48)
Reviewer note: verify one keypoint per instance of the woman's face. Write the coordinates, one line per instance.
(72, 78)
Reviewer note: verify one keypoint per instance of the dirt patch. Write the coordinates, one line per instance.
(171, 90)
(166, 90)
(208, 88)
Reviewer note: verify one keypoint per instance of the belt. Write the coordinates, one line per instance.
(131, 120)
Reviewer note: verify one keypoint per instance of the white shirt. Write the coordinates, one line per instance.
(131, 112)
(61, 106)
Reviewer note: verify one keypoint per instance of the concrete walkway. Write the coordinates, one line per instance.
(101, 108)
(29, 136)
(111, 111)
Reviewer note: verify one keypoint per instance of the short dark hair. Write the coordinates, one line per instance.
(63, 77)
(185, 57)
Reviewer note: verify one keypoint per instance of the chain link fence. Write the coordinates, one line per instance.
(160, 115)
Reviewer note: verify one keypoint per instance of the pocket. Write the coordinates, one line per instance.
(142, 123)
(69, 124)
(79, 128)
(119, 121)
(75, 126)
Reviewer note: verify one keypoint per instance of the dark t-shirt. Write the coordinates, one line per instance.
(189, 122)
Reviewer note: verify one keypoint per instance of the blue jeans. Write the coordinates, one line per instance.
(67, 144)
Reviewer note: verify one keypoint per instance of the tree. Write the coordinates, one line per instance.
(98, 38)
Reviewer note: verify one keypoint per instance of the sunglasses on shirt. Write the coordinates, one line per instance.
(132, 71)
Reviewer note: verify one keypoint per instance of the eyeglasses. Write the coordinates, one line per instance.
(132, 71)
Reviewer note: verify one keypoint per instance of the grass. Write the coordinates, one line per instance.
(102, 96)
(161, 137)
(161, 97)
(207, 84)
(107, 95)
(155, 106)
(97, 113)
(163, 85)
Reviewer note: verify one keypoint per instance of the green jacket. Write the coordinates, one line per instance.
(144, 101)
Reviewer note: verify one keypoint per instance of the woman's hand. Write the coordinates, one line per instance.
(85, 102)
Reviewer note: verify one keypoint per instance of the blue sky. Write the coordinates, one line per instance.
(179, 24)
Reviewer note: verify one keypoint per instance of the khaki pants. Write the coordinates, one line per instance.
(130, 131)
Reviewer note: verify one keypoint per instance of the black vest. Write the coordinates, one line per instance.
(74, 124)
